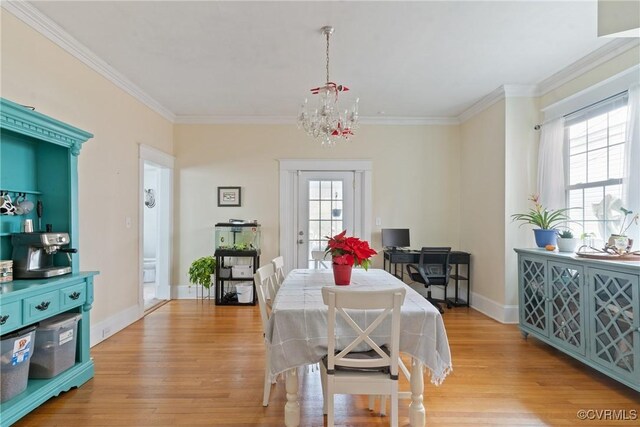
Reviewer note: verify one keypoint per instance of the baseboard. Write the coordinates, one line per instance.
(103, 330)
(187, 292)
(499, 312)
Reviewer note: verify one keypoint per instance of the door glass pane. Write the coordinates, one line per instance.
(325, 213)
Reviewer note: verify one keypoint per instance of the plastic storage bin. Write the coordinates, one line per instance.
(245, 292)
(55, 347)
(16, 348)
(242, 271)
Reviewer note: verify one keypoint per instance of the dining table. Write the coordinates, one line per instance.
(297, 333)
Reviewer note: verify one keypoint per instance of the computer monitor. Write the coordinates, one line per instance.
(395, 238)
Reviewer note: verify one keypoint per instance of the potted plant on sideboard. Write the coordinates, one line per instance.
(546, 221)
(566, 241)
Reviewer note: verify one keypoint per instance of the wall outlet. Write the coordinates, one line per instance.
(127, 222)
(378, 221)
(106, 332)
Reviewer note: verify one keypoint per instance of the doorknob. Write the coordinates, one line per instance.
(300, 241)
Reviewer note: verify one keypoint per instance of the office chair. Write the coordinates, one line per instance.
(433, 270)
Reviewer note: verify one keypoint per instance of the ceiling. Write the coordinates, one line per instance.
(259, 59)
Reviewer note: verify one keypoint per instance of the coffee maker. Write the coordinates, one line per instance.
(33, 254)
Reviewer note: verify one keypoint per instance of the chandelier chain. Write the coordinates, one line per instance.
(328, 34)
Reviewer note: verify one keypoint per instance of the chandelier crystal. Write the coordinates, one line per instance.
(326, 122)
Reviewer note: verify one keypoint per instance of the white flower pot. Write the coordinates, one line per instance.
(567, 245)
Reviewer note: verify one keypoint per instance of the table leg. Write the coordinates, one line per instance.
(292, 407)
(417, 417)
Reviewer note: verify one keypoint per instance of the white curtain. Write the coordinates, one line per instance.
(631, 180)
(551, 165)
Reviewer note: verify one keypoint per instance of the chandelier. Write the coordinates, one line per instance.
(327, 123)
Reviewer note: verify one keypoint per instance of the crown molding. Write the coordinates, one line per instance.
(586, 63)
(45, 26)
(485, 102)
(290, 120)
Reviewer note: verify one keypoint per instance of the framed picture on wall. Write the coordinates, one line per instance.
(228, 196)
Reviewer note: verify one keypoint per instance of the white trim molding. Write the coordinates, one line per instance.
(102, 330)
(501, 313)
(156, 156)
(498, 94)
(291, 120)
(45, 26)
(586, 63)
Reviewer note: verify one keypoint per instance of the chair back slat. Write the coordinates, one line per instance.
(278, 265)
(382, 303)
(264, 278)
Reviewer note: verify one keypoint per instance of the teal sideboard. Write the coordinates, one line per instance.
(587, 308)
(39, 158)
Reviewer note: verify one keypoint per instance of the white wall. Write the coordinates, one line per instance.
(39, 73)
(482, 211)
(416, 181)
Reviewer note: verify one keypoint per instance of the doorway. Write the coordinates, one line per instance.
(155, 227)
(325, 208)
(295, 175)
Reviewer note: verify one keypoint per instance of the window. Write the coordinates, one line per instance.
(595, 140)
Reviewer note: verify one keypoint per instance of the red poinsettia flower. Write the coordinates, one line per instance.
(349, 250)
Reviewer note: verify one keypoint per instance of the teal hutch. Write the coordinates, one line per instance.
(586, 308)
(39, 160)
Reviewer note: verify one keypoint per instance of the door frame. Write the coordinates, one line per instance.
(165, 162)
(362, 198)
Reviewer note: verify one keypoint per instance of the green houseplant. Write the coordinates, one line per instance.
(201, 270)
(546, 220)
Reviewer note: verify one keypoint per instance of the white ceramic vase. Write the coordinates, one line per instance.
(567, 245)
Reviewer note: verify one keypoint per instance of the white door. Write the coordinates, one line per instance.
(325, 208)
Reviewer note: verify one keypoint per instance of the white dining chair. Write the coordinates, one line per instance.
(278, 265)
(263, 277)
(374, 372)
(320, 259)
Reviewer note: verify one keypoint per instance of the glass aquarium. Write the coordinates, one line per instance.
(238, 236)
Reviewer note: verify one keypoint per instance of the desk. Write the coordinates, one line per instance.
(297, 332)
(456, 258)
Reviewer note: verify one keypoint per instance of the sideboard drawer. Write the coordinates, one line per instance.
(41, 306)
(73, 296)
(10, 316)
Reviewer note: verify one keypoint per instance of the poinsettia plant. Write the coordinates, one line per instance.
(349, 250)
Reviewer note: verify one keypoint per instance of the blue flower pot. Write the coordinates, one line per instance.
(545, 237)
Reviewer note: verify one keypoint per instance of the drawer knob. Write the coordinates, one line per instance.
(3, 319)
(75, 295)
(43, 305)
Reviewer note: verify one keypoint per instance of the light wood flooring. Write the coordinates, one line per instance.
(194, 364)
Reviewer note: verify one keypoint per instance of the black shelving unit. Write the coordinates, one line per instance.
(226, 285)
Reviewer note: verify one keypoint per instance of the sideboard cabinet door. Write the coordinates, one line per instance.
(566, 305)
(615, 326)
(533, 295)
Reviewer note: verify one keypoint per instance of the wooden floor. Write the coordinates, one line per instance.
(194, 364)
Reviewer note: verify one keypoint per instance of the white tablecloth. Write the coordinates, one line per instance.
(297, 330)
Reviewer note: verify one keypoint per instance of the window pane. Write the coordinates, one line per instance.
(616, 161)
(578, 145)
(578, 133)
(337, 190)
(593, 204)
(325, 190)
(575, 201)
(618, 117)
(597, 170)
(578, 169)
(336, 227)
(314, 230)
(325, 229)
(325, 209)
(617, 134)
(597, 132)
(314, 190)
(314, 210)
(336, 210)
